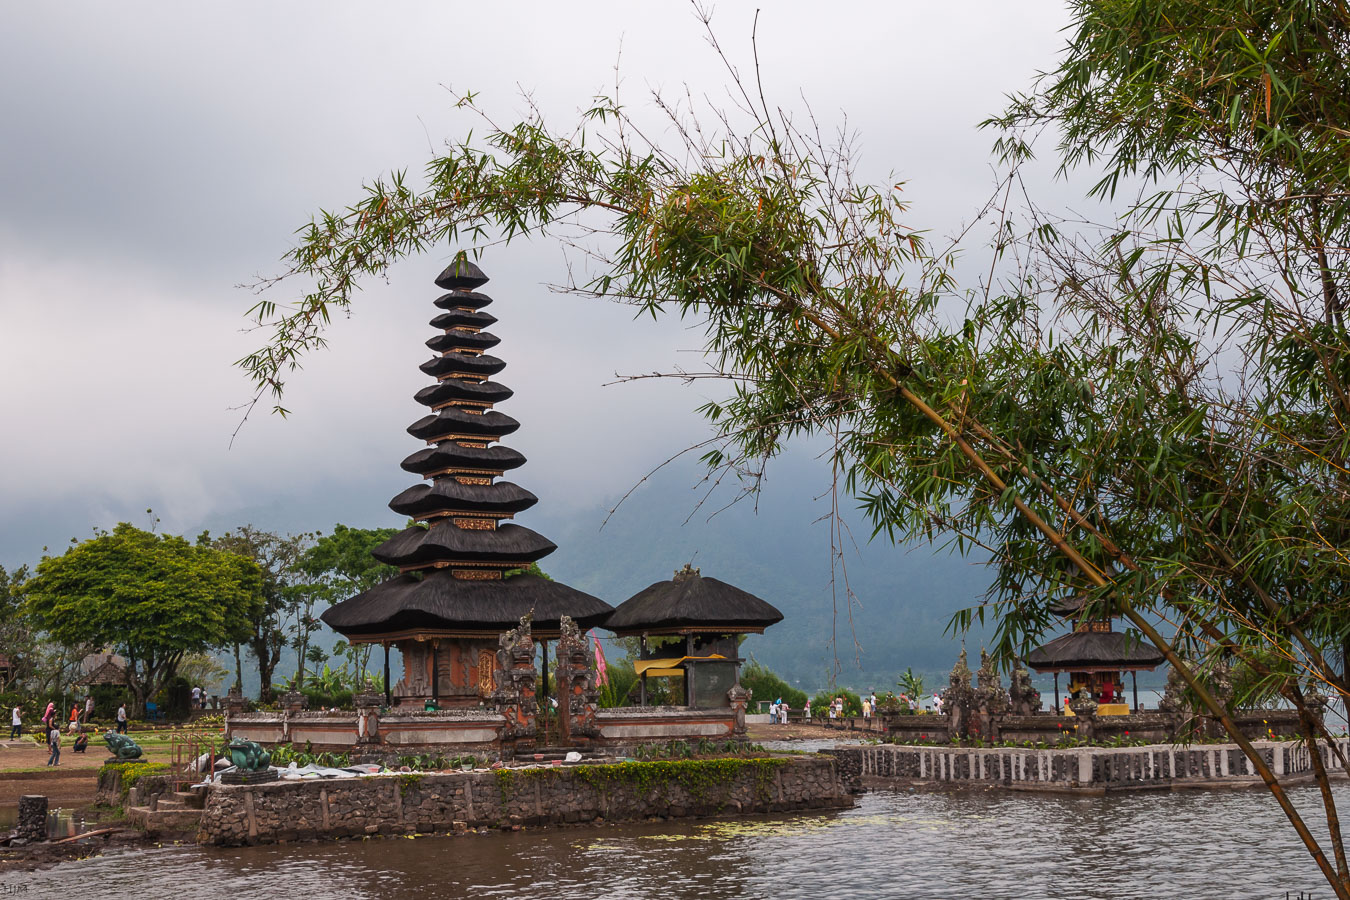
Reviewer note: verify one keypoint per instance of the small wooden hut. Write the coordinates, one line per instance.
(1095, 657)
(461, 582)
(709, 617)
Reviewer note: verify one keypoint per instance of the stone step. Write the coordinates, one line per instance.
(189, 799)
(162, 821)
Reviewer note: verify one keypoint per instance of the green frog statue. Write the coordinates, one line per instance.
(121, 746)
(249, 756)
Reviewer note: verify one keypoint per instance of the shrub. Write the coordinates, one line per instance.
(820, 703)
(764, 684)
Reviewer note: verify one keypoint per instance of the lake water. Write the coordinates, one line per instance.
(992, 844)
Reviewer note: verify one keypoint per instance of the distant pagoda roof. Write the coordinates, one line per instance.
(1072, 607)
(691, 602)
(1087, 651)
(456, 562)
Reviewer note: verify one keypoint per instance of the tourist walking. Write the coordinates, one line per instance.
(15, 723)
(202, 692)
(122, 718)
(806, 711)
(867, 708)
(74, 718)
(49, 716)
(54, 742)
(88, 710)
(196, 698)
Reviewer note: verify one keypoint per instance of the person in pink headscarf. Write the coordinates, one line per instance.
(49, 716)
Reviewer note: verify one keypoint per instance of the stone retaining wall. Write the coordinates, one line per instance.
(407, 804)
(1086, 768)
(468, 730)
(345, 730)
(1148, 726)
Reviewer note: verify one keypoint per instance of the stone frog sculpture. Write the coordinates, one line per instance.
(121, 746)
(249, 756)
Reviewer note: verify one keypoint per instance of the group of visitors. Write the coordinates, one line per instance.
(778, 712)
(51, 727)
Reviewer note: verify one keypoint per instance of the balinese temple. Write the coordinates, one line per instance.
(706, 618)
(1095, 658)
(460, 585)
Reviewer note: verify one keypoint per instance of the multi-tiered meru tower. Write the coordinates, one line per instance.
(455, 594)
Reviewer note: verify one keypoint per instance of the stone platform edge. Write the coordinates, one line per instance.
(504, 798)
(1094, 769)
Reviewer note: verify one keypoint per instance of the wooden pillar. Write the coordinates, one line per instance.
(688, 671)
(1059, 710)
(1134, 680)
(642, 683)
(388, 700)
(435, 673)
(543, 690)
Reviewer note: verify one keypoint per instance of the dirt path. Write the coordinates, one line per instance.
(759, 733)
(23, 770)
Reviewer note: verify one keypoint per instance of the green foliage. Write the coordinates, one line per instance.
(912, 685)
(764, 684)
(155, 598)
(820, 703)
(342, 560)
(621, 685)
(131, 772)
(280, 602)
(285, 754)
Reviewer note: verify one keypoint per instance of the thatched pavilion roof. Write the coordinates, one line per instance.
(691, 601)
(442, 604)
(1086, 651)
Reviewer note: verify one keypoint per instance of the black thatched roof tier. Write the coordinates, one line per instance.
(452, 456)
(459, 339)
(441, 602)
(691, 601)
(462, 364)
(458, 389)
(452, 420)
(459, 318)
(1083, 651)
(449, 496)
(444, 542)
(463, 300)
(461, 275)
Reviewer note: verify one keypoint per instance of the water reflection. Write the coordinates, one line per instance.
(904, 844)
(61, 823)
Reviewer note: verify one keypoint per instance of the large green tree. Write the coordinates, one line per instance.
(338, 565)
(1152, 412)
(279, 600)
(153, 598)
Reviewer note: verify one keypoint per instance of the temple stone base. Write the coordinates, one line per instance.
(509, 798)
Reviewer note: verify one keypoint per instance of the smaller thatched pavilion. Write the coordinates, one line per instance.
(1095, 656)
(710, 616)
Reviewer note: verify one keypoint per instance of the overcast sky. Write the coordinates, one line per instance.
(157, 155)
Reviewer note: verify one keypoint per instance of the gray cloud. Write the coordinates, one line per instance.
(157, 154)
